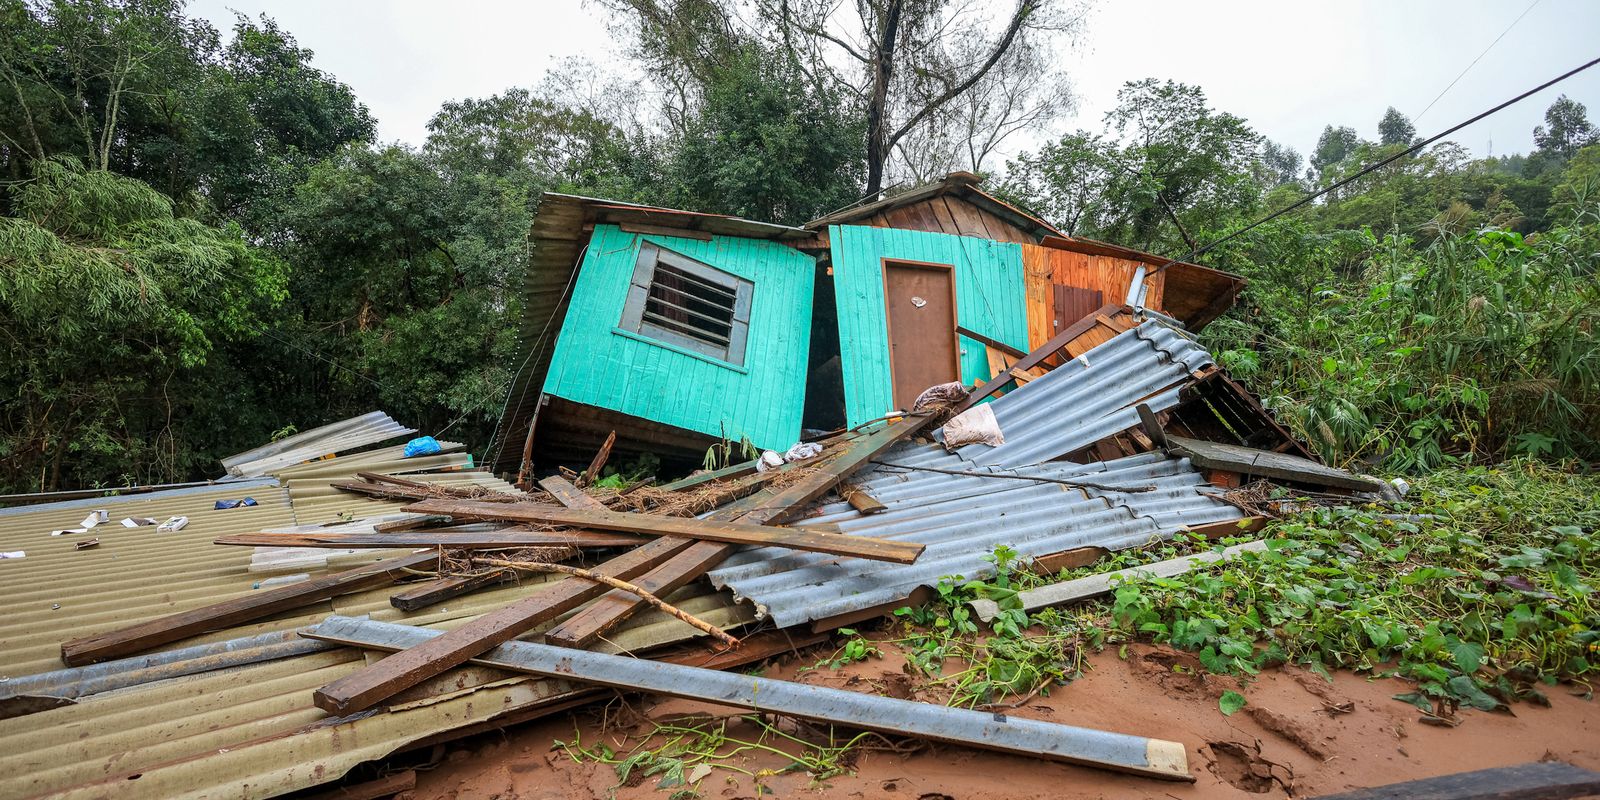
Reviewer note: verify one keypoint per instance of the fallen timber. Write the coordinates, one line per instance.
(812, 539)
(588, 625)
(458, 540)
(253, 606)
(1137, 755)
(689, 558)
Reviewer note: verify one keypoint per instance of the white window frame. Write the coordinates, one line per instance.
(633, 312)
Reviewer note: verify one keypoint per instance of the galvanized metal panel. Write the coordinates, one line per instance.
(598, 363)
(337, 437)
(962, 518)
(1048, 740)
(990, 299)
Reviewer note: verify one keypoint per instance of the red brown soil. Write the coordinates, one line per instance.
(1300, 736)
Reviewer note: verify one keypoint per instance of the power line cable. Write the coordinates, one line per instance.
(1476, 60)
(1199, 251)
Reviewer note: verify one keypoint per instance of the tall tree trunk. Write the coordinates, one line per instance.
(877, 105)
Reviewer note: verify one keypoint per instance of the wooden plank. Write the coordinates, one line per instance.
(365, 688)
(1265, 463)
(418, 522)
(1056, 594)
(1541, 780)
(587, 626)
(735, 471)
(460, 540)
(254, 606)
(1033, 359)
(662, 230)
(860, 500)
(987, 342)
(569, 495)
(425, 594)
(601, 456)
(815, 539)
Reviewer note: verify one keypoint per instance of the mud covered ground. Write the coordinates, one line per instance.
(1299, 736)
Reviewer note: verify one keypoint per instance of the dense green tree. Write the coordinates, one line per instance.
(114, 310)
(1333, 147)
(404, 280)
(764, 146)
(1395, 129)
(1566, 128)
(139, 89)
(1169, 170)
(1280, 165)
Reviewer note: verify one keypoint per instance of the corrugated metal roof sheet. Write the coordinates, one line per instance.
(243, 731)
(962, 518)
(336, 437)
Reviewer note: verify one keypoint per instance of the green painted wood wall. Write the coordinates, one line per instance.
(599, 364)
(989, 299)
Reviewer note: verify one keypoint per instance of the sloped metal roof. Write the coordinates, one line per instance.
(241, 731)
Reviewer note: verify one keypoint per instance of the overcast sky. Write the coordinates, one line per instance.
(1288, 67)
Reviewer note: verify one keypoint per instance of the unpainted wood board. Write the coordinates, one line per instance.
(815, 538)
(255, 605)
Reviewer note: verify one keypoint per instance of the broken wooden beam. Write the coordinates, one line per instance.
(1121, 752)
(253, 606)
(732, 471)
(1056, 594)
(422, 595)
(460, 540)
(592, 474)
(1037, 356)
(367, 687)
(861, 500)
(569, 495)
(588, 625)
(1267, 464)
(816, 539)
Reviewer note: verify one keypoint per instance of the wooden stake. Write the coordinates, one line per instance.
(592, 474)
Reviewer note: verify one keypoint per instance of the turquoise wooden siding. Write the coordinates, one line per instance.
(989, 299)
(600, 364)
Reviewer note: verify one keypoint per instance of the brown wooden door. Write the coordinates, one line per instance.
(921, 302)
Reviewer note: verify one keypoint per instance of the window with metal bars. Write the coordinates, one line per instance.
(682, 302)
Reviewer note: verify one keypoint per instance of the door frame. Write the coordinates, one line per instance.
(888, 325)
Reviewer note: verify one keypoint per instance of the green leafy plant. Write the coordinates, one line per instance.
(855, 649)
(1481, 596)
(681, 755)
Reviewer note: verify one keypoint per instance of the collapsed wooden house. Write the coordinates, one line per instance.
(677, 328)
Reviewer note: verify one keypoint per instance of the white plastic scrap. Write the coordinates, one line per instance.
(772, 459)
(137, 522)
(95, 517)
(13, 554)
(69, 531)
(802, 451)
(173, 524)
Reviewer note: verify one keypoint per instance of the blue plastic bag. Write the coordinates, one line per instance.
(221, 504)
(422, 446)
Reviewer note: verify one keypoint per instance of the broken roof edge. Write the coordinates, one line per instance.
(603, 210)
(1095, 247)
(963, 184)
